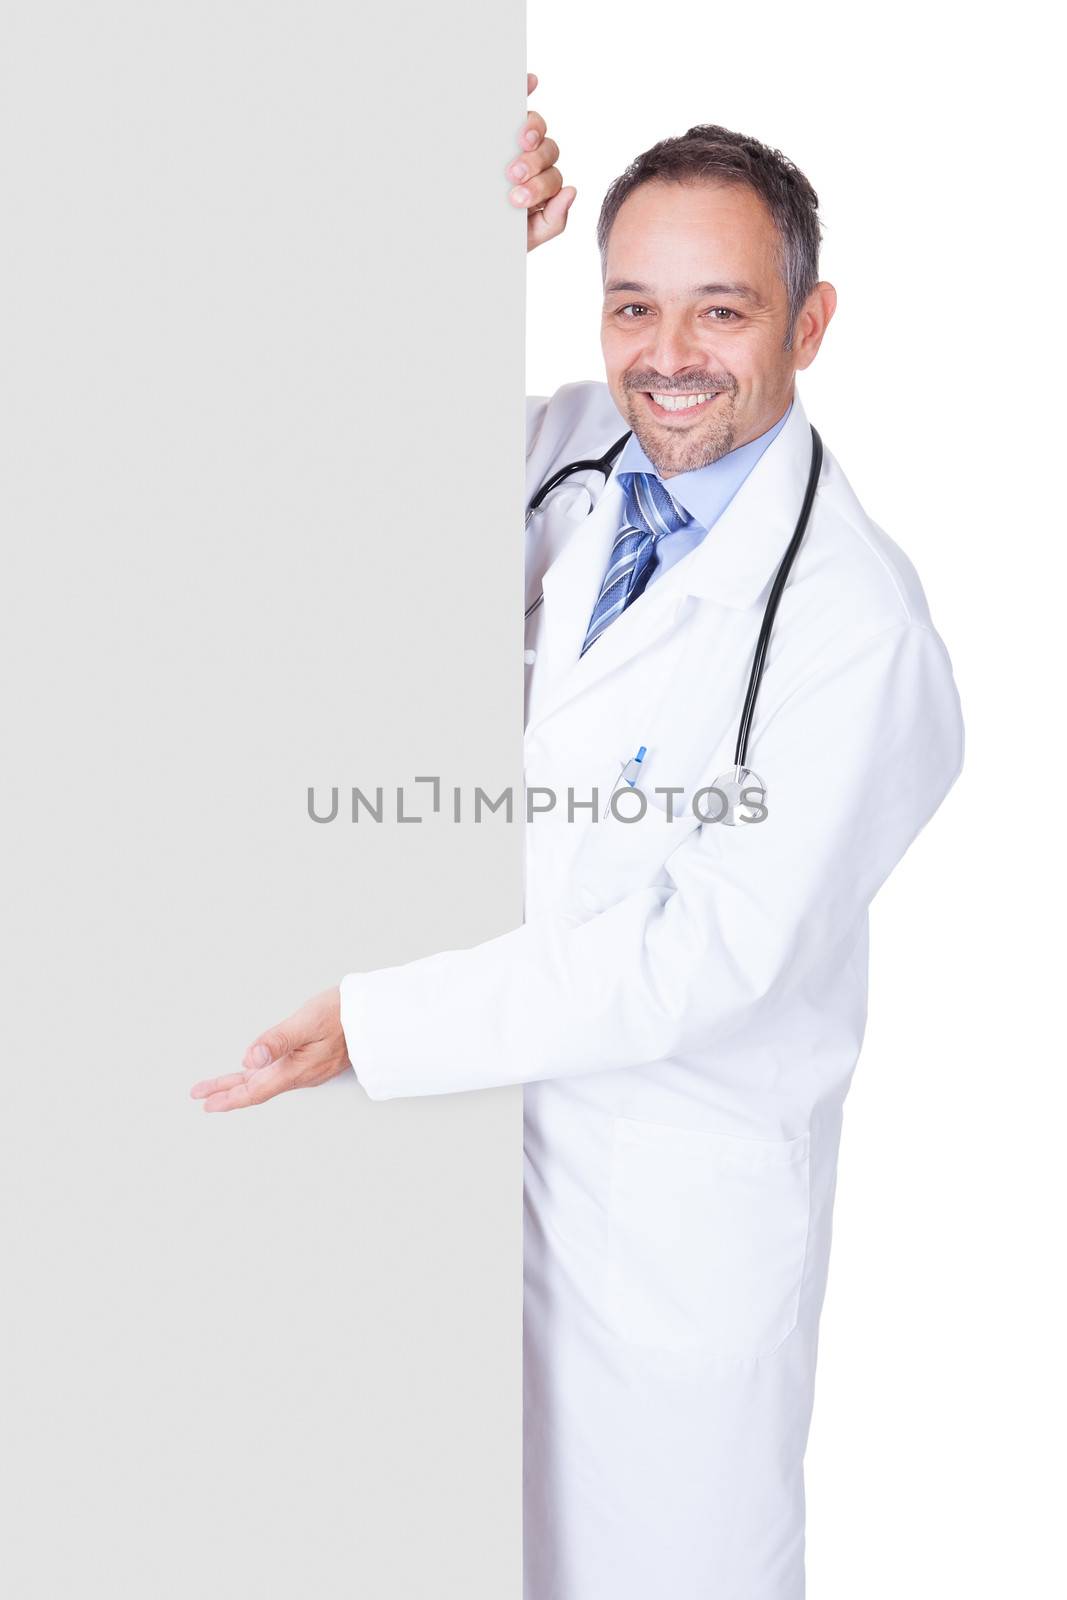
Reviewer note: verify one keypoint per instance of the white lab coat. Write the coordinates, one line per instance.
(684, 1004)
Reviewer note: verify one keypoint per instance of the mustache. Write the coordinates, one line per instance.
(723, 382)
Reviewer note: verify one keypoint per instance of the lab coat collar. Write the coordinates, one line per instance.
(737, 559)
(731, 566)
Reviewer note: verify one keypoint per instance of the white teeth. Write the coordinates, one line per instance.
(682, 402)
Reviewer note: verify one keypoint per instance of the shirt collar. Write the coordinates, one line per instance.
(706, 491)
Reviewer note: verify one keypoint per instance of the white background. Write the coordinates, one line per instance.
(935, 1462)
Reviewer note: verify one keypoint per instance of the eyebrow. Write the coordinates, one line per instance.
(741, 290)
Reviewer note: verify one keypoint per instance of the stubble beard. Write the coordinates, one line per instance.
(673, 451)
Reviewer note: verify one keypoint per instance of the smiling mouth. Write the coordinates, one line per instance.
(679, 405)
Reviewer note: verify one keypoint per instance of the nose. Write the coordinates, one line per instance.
(674, 347)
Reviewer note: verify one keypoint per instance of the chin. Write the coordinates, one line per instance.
(674, 449)
(671, 450)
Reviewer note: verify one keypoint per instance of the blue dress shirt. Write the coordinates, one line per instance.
(704, 493)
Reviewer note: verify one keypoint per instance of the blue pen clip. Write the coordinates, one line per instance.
(631, 771)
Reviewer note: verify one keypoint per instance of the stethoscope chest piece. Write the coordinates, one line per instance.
(739, 797)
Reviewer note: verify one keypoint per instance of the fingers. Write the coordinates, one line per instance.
(535, 191)
(238, 1090)
(207, 1086)
(532, 131)
(533, 162)
(270, 1046)
(538, 182)
(551, 219)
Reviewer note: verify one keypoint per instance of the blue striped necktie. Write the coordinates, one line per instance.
(649, 515)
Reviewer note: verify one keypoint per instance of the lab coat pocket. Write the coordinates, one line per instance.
(707, 1238)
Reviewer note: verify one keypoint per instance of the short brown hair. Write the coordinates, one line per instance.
(710, 154)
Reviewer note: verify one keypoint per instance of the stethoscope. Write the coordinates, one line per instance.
(741, 789)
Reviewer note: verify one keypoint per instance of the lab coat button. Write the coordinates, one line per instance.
(529, 656)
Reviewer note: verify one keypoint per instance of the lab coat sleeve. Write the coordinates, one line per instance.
(856, 758)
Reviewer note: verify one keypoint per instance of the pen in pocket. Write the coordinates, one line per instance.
(630, 773)
(632, 770)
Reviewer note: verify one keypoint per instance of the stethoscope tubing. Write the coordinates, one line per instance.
(780, 578)
(604, 463)
(601, 464)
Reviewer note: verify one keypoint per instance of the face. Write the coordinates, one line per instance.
(695, 306)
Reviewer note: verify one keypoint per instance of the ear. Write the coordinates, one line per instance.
(812, 323)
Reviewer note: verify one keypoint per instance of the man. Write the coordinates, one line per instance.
(685, 1000)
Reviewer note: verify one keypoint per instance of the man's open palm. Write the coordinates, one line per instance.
(304, 1050)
